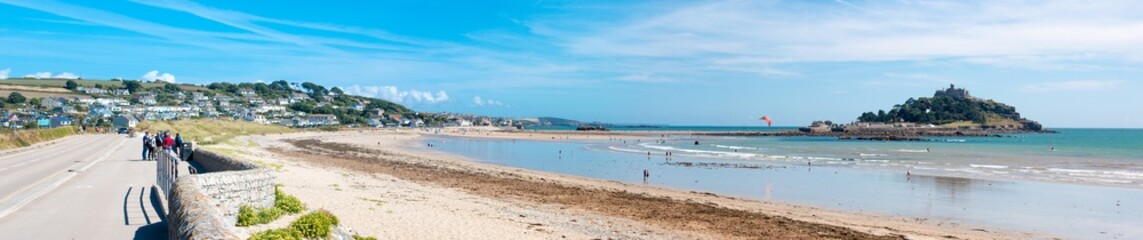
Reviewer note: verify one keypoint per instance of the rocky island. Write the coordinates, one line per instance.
(949, 112)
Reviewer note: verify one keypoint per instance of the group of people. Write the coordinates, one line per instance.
(163, 141)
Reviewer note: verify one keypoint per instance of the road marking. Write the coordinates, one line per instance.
(42, 145)
(51, 154)
(50, 187)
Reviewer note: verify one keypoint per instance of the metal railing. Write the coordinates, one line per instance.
(167, 171)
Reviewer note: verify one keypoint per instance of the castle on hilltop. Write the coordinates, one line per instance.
(954, 92)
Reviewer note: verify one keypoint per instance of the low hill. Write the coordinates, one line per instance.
(551, 121)
(954, 107)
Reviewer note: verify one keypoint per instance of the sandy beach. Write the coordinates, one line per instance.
(384, 183)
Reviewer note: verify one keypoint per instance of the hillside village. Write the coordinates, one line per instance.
(125, 103)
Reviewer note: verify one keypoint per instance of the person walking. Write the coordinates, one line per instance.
(146, 145)
(178, 145)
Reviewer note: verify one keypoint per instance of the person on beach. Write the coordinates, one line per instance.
(646, 174)
(146, 145)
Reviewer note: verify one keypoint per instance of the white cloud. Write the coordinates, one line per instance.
(393, 94)
(154, 75)
(66, 75)
(1078, 85)
(485, 102)
(802, 31)
(4, 73)
(39, 75)
(42, 75)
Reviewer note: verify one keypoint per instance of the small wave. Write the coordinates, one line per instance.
(954, 140)
(619, 149)
(702, 153)
(1066, 170)
(734, 147)
(872, 154)
(988, 166)
(1126, 174)
(913, 150)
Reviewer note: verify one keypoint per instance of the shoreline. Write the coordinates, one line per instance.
(407, 142)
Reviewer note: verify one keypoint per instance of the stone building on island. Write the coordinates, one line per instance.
(953, 92)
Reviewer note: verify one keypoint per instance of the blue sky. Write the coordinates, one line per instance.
(1064, 63)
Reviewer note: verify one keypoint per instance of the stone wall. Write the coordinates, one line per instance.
(194, 215)
(213, 162)
(205, 205)
(232, 189)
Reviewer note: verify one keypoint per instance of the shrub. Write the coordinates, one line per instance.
(359, 237)
(287, 203)
(248, 216)
(277, 234)
(315, 224)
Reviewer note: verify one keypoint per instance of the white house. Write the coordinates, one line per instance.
(126, 121)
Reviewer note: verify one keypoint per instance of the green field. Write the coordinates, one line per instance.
(84, 82)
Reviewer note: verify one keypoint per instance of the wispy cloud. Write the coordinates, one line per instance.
(481, 102)
(42, 75)
(1078, 85)
(155, 75)
(393, 94)
(796, 31)
(4, 73)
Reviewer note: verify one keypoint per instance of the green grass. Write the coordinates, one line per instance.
(22, 138)
(378, 202)
(208, 132)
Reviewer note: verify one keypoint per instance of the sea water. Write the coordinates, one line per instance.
(1079, 183)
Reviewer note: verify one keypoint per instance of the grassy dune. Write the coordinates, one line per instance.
(207, 132)
(22, 138)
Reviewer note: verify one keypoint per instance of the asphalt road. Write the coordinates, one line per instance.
(82, 187)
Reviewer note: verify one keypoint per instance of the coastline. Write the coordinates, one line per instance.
(407, 142)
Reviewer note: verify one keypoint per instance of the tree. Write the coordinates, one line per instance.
(16, 98)
(171, 87)
(36, 102)
(71, 85)
(132, 86)
(337, 90)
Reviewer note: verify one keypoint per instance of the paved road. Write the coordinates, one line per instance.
(83, 187)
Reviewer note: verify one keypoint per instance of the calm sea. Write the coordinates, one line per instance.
(1079, 183)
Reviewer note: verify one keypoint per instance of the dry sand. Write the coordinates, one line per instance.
(384, 183)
